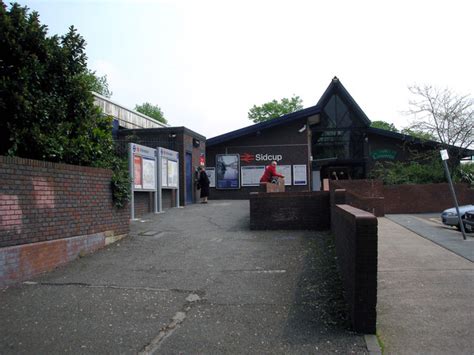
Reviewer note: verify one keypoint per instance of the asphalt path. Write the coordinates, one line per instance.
(190, 280)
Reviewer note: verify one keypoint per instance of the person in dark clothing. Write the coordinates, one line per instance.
(270, 173)
(203, 181)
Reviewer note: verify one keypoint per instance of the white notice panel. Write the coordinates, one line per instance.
(149, 181)
(285, 170)
(172, 173)
(251, 175)
(299, 175)
(164, 172)
(211, 174)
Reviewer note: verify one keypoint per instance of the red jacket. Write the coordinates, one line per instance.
(270, 171)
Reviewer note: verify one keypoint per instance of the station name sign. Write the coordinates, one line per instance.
(247, 157)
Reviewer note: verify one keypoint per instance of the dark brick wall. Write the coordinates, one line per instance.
(42, 201)
(363, 188)
(144, 201)
(355, 233)
(290, 210)
(424, 198)
(363, 194)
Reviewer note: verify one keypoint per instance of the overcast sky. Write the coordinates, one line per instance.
(206, 63)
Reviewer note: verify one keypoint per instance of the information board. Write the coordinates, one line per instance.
(143, 160)
(142, 167)
(169, 168)
(211, 174)
(300, 175)
(251, 175)
(285, 170)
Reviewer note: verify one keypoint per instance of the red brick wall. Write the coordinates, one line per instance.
(355, 234)
(22, 262)
(424, 198)
(374, 197)
(49, 213)
(42, 201)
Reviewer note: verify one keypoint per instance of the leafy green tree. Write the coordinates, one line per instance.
(274, 109)
(97, 83)
(47, 110)
(409, 172)
(152, 111)
(418, 134)
(384, 125)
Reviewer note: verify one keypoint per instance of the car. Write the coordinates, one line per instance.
(449, 217)
(469, 221)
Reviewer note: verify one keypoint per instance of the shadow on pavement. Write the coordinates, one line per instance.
(319, 313)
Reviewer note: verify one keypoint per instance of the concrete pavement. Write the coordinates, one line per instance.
(425, 295)
(191, 280)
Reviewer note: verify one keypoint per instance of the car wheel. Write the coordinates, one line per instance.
(468, 228)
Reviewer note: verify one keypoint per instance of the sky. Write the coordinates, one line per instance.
(205, 63)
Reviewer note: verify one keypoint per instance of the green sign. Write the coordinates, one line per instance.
(383, 154)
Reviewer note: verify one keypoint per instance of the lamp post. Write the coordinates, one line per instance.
(444, 157)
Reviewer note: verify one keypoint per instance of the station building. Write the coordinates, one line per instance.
(130, 126)
(331, 140)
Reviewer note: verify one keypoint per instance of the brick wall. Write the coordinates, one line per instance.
(366, 195)
(364, 188)
(290, 210)
(424, 198)
(374, 197)
(46, 202)
(22, 262)
(355, 233)
(145, 203)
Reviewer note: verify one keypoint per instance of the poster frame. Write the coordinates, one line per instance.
(237, 183)
(298, 182)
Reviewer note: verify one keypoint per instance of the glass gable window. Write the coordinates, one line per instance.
(340, 134)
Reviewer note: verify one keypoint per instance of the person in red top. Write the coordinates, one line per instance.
(270, 172)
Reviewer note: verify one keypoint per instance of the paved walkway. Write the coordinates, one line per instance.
(425, 295)
(429, 226)
(191, 280)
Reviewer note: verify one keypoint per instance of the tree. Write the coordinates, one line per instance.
(444, 115)
(46, 107)
(97, 83)
(152, 111)
(384, 125)
(274, 109)
(418, 134)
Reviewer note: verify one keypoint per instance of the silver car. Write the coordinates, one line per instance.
(449, 217)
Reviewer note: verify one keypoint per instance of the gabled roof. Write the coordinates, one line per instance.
(291, 117)
(411, 139)
(337, 88)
